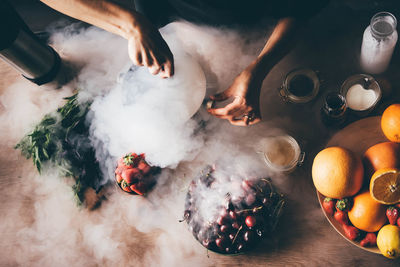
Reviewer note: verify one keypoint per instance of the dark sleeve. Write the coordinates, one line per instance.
(301, 9)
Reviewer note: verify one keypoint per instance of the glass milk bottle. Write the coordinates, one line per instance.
(378, 43)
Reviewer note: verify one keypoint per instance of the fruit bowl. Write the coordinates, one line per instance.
(134, 175)
(229, 214)
(357, 137)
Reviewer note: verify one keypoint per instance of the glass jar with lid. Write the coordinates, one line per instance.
(300, 86)
(379, 41)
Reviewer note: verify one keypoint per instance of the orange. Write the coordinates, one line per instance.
(367, 214)
(385, 186)
(390, 122)
(337, 172)
(382, 155)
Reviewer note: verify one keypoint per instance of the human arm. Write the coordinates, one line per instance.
(246, 87)
(146, 46)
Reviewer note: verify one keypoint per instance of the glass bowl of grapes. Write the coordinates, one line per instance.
(229, 214)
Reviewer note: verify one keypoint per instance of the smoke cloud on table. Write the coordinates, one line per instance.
(44, 226)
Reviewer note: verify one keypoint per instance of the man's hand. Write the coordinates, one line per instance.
(147, 48)
(244, 109)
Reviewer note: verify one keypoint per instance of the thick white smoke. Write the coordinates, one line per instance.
(126, 230)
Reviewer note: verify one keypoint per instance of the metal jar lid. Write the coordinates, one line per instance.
(300, 86)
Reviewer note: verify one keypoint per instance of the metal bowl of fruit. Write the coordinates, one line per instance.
(134, 175)
(231, 215)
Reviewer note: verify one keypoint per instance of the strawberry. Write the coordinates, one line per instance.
(392, 214)
(131, 175)
(369, 240)
(139, 188)
(343, 204)
(398, 222)
(131, 159)
(341, 217)
(351, 232)
(329, 206)
(144, 167)
(118, 178)
(125, 187)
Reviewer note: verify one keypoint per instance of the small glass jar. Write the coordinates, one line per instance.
(300, 86)
(379, 41)
(333, 111)
(282, 154)
(362, 93)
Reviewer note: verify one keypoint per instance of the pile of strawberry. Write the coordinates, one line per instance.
(134, 175)
(339, 208)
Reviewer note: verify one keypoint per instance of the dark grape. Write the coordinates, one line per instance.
(233, 215)
(231, 237)
(221, 242)
(222, 220)
(248, 236)
(225, 228)
(240, 247)
(235, 225)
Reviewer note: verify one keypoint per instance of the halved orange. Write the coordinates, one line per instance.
(385, 186)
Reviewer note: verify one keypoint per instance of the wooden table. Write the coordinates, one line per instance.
(40, 226)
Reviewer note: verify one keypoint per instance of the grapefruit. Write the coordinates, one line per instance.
(385, 186)
(337, 172)
(390, 122)
(382, 155)
(367, 214)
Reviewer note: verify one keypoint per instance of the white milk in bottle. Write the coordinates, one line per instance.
(378, 43)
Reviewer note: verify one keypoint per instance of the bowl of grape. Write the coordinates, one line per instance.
(229, 214)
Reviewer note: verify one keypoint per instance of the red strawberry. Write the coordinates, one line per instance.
(144, 167)
(341, 217)
(131, 159)
(398, 222)
(369, 240)
(119, 170)
(118, 178)
(392, 214)
(329, 206)
(139, 188)
(125, 187)
(131, 175)
(343, 204)
(351, 232)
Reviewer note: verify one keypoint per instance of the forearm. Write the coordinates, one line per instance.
(101, 13)
(278, 45)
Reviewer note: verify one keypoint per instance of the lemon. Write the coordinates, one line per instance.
(388, 241)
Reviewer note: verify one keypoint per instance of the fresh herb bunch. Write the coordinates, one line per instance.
(62, 140)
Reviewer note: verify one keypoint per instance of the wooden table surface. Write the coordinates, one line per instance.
(40, 225)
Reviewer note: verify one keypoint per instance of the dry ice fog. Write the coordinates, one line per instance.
(42, 226)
